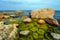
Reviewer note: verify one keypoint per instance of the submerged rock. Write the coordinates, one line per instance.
(43, 13)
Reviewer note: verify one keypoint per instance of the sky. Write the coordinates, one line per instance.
(29, 4)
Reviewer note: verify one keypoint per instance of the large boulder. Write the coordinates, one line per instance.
(43, 13)
(8, 32)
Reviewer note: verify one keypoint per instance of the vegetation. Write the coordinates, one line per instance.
(37, 31)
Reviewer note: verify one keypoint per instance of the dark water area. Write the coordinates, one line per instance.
(56, 16)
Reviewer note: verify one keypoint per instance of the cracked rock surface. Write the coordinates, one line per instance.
(7, 32)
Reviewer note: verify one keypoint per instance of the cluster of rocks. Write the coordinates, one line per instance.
(8, 32)
(6, 15)
(45, 13)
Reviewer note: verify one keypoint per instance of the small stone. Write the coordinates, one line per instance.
(58, 31)
(52, 22)
(15, 25)
(41, 21)
(56, 36)
(24, 32)
(24, 17)
(18, 12)
(0, 38)
(1, 16)
(27, 20)
(12, 20)
(12, 15)
(1, 22)
(1, 28)
(6, 16)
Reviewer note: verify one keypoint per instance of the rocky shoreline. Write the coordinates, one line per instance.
(39, 26)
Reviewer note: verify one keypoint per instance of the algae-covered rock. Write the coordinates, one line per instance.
(42, 13)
